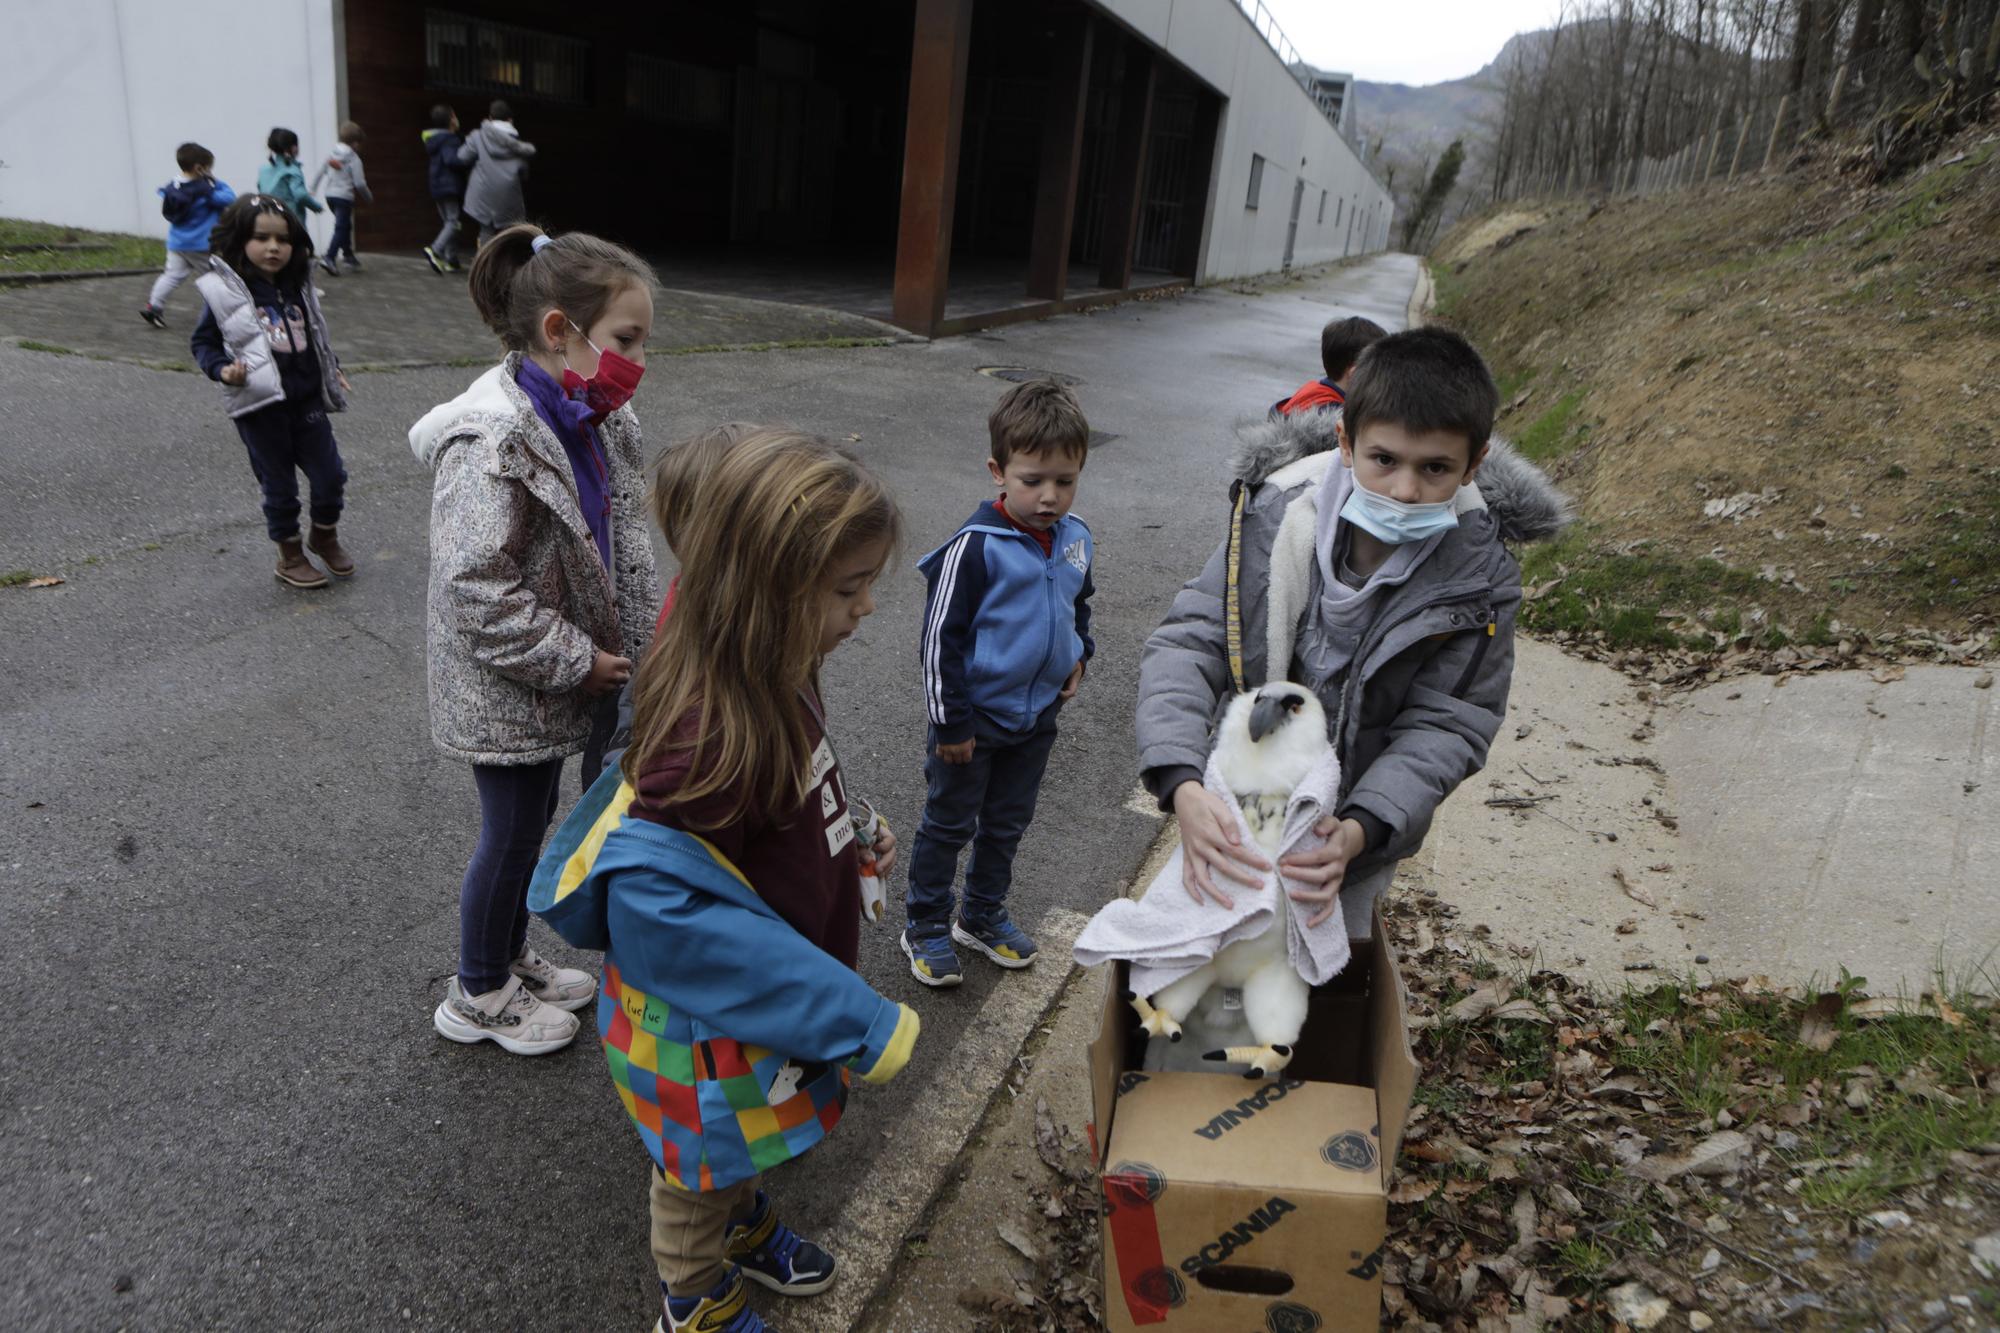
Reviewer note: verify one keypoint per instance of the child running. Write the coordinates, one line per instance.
(345, 182)
(729, 904)
(264, 340)
(542, 592)
(190, 203)
(284, 177)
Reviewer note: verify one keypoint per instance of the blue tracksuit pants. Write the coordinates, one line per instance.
(988, 802)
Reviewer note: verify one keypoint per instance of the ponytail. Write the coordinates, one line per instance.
(513, 282)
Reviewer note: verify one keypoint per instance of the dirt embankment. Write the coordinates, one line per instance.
(1775, 402)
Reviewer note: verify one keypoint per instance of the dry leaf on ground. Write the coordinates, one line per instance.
(1632, 891)
(1821, 1025)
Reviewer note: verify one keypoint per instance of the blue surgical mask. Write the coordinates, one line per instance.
(1395, 521)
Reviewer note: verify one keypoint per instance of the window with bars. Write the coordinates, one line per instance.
(465, 54)
(1256, 181)
(669, 91)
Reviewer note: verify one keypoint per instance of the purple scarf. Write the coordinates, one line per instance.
(569, 419)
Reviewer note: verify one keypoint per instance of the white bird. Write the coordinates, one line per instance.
(1268, 742)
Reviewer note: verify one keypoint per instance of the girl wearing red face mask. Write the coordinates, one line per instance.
(543, 592)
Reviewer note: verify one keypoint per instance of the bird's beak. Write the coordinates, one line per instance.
(1266, 716)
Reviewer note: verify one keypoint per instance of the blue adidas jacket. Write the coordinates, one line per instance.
(1003, 624)
(730, 1036)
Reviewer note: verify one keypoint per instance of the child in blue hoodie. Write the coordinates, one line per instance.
(190, 203)
(1006, 635)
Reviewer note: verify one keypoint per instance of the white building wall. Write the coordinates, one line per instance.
(95, 95)
(1268, 114)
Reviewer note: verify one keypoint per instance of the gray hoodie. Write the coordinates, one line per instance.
(498, 156)
(1416, 702)
(519, 601)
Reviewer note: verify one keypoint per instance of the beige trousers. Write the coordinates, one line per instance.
(690, 1232)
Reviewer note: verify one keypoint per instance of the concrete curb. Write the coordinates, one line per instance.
(882, 1209)
(1422, 297)
(73, 275)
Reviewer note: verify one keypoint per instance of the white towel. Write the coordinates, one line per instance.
(1166, 934)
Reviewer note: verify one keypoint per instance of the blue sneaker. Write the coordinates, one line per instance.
(724, 1310)
(997, 937)
(932, 959)
(773, 1255)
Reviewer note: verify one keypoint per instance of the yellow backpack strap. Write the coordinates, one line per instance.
(1232, 602)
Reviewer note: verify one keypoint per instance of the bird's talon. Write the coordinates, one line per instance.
(1155, 1022)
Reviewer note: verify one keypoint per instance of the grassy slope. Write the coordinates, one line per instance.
(1835, 346)
(41, 247)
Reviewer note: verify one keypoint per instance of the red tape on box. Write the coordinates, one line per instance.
(1150, 1286)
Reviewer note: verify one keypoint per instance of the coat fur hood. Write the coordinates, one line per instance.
(1524, 502)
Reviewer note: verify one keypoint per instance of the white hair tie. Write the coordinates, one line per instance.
(543, 242)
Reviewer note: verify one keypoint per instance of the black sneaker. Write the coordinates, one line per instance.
(431, 258)
(332, 269)
(773, 1255)
(152, 316)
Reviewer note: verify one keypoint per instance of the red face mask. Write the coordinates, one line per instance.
(609, 387)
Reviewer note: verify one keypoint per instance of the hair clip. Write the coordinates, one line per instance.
(543, 242)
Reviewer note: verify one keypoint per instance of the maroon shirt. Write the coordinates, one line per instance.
(803, 864)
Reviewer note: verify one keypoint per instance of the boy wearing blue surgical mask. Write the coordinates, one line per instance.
(1374, 574)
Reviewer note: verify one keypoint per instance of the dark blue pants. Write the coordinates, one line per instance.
(343, 228)
(987, 802)
(516, 804)
(285, 439)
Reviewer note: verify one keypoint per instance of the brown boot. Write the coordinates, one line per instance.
(294, 568)
(325, 543)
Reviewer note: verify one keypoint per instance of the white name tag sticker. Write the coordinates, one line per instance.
(822, 763)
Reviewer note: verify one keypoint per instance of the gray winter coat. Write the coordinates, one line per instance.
(228, 298)
(519, 602)
(1413, 714)
(499, 161)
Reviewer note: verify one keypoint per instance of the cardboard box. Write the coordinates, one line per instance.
(1234, 1205)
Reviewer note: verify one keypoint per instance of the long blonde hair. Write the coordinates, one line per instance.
(778, 511)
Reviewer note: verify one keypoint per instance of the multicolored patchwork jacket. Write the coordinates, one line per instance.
(730, 1036)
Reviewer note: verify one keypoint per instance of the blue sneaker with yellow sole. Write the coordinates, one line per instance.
(773, 1255)
(724, 1310)
(932, 959)
(997, 937)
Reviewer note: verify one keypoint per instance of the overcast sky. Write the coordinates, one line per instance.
(1406, 41)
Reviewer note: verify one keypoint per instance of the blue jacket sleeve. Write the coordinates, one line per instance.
(224, 196)
(1083, 615)
(716, 960)
(957, 583)
(206, 343)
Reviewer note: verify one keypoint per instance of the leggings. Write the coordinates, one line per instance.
(516, 804)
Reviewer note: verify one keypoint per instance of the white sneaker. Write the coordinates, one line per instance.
(509, 1016)
(566, 988)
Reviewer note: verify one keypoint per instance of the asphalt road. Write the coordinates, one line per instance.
(229, 855)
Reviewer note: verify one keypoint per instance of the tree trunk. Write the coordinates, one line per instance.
(1802, 45)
